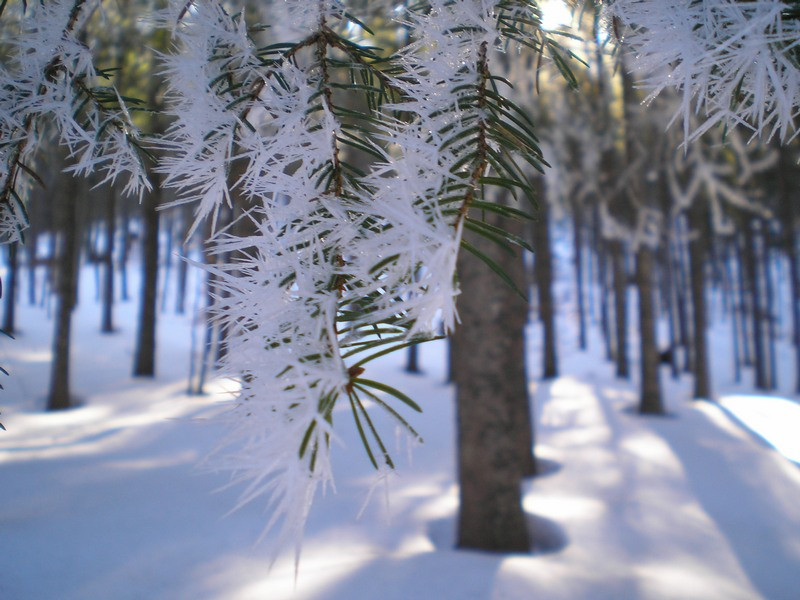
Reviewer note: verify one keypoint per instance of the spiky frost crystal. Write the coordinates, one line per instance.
(733, 62)
(49, 82)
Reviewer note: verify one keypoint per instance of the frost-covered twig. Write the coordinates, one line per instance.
(708, 172)
(49, 79)
(732, 61)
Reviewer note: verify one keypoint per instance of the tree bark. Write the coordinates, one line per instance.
(730, 256)
(32, 257)
(751, 265)
(144, 364)
(9, 289)
(683, 295)
(125, 252)
(577, 238)
(605, 306)
(493, 414)
(544, 285)
(412, 359)
(769, 310)
(620, 276)
(671, 304)
(744, 301)
(697, 229)
(650, 401)
(107, 319)
(180, 299)
(59, 395)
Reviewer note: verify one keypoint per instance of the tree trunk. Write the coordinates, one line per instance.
(697, 231)
(620, 276)
(169, 227)
(650, 401)
(670, 301)
(59, 396)
(730, 256)
(412, 359)
(751, 265)
(605, 307)
(577, 238)
(9, 290)
(683, 293)
(180, 299)
(125, 253)
(544, 285)
(107, 320)
(769, 310)
(493, 413)
(144, 359)
(744, 302)
(31, 255)
(794, 277)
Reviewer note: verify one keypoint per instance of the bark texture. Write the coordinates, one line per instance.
(697, 262)
(59, 395)
(620, 276)
(493, 415)
(650, 401)
(144, 364)
(544, 285)
(107, 318)
(9, 289)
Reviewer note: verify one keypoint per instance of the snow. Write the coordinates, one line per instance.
(111, 500)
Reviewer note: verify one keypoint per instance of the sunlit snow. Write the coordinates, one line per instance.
(776, 420)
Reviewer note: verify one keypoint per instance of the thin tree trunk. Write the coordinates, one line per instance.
(412, 359)
(794, 276)
(180, 300)
(577, 237)
(59, 395)
(744, 301)
(751, 264)
(620, 276)
(544, 285)
(33, 240)
(125, 253)
(605, 307)
(167, 263)
(683, 293)
(735, 313)
(650, 401)
(9, 289)
(671, 302)
(697, 229)
(107, 321)
(210, 327)
(771, 313)
(144, 364)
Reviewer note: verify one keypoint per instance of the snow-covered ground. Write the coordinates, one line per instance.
(109, 500)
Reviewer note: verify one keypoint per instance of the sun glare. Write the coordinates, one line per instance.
(555, 14)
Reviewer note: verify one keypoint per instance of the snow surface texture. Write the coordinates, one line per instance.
(732, 61)
(109, 500)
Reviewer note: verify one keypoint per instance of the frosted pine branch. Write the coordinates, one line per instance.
(49, 79)
(344, 262)
(733, 62)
